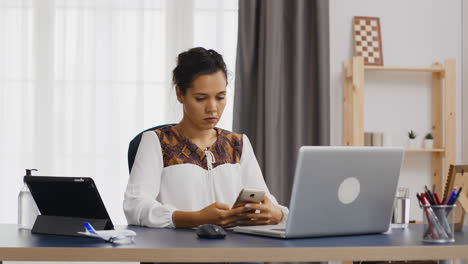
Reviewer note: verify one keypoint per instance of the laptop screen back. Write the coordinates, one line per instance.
(343, 190)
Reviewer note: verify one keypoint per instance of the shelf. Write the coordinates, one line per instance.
(383, 68)
(443, 109)
(425, 150)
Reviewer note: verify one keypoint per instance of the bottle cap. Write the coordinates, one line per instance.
(28, 171)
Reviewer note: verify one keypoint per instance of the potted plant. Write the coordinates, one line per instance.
(428, 141)
(412, 139)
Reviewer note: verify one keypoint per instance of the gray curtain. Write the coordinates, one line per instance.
(282, 83)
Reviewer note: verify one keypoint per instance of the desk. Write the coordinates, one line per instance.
(169, 245)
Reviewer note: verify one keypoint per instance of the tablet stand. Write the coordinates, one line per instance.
(70, 226)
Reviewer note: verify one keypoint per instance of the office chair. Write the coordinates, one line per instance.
(133, 146)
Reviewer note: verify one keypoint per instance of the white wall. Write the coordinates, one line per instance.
(465, 85)
(414, 34)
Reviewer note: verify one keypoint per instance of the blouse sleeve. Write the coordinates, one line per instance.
(252, 176)
(140, 204)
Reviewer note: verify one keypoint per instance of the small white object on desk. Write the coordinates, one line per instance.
(113, 236)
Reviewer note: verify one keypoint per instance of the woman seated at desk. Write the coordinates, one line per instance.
(191, 173)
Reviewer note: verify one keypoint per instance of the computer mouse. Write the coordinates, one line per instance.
(210, 231)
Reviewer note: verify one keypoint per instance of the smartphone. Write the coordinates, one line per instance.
(249, 196)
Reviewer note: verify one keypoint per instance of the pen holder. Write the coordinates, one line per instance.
(438, 223)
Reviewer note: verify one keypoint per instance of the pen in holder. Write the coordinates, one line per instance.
(438, 223)
(438, 217)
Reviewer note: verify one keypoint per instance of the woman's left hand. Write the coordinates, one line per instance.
(268, 213)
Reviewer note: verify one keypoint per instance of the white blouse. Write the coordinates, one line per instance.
(155, 191)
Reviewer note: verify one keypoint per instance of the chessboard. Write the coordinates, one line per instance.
(368, 39)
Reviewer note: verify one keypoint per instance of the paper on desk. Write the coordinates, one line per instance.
(113, 236)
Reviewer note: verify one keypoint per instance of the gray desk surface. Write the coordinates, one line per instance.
(182, 245)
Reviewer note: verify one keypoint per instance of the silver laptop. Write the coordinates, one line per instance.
(339, 191)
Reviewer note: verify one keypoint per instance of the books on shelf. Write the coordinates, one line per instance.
(374, 139)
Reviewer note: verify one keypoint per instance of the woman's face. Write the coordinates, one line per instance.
(204, 100)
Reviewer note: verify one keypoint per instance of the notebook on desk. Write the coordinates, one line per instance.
(339, 191)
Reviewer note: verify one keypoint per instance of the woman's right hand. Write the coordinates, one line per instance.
(219, 214)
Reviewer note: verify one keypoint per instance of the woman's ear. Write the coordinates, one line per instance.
(180, 97)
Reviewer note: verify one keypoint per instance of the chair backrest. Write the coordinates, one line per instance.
(133, 146)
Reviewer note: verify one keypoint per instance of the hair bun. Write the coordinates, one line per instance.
(194, 62)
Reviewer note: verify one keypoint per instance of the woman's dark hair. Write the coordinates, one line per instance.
(196, 62)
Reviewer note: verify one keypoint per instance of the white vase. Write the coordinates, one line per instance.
(428, 143)
(412, 143)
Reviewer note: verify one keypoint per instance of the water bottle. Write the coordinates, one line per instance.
(27, 208)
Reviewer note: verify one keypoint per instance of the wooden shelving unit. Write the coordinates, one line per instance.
(443, 110)
(425, 150)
